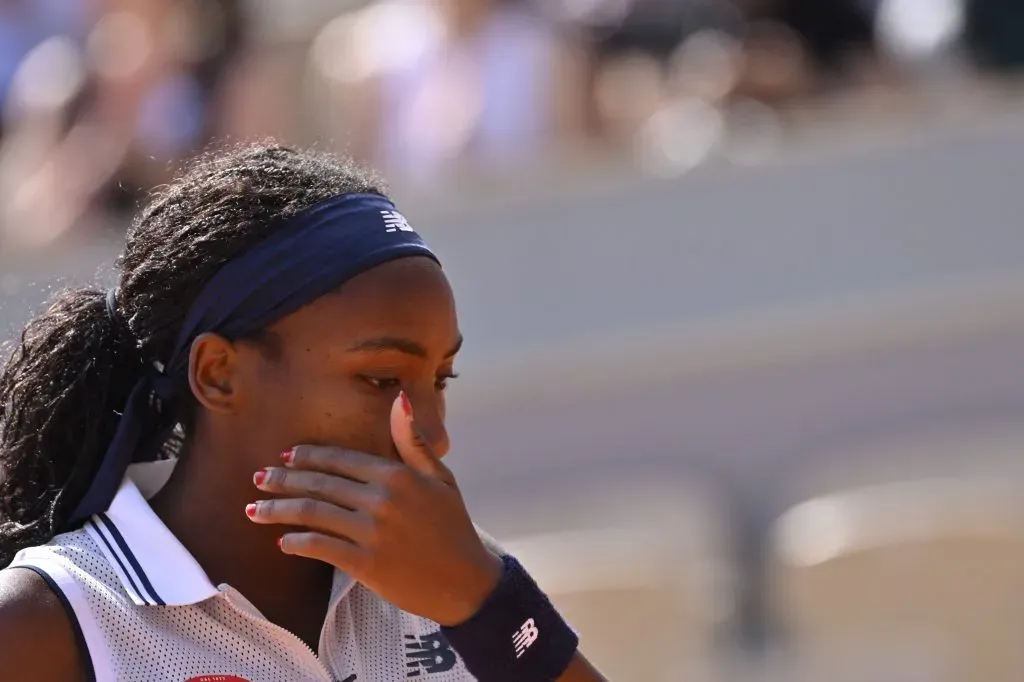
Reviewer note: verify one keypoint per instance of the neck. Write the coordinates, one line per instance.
(208, 518)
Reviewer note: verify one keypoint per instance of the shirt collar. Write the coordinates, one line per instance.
(154, 568)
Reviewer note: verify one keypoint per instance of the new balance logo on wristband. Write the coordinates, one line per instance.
(395, 222)
(525, 636)
(428, 654)
(518, 609)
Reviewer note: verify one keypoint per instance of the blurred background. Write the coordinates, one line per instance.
(742, 283)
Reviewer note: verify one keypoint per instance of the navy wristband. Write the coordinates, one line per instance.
(517, 635)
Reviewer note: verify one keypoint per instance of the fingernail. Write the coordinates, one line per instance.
(259, 477)
(280, 543)
(250, 510)
(406, 405)
(287, 456)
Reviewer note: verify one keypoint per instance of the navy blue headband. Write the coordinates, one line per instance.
(310, 255)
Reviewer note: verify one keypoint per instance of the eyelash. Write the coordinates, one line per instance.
(389, 384)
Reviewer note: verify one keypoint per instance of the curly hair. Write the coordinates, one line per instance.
(69, 375)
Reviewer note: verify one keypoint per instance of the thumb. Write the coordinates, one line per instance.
(411, 446)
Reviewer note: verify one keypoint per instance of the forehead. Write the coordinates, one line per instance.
(408, 297)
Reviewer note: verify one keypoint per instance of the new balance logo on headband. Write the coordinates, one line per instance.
(395, 222)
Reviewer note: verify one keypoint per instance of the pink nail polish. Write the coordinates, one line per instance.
(406, 405)
(250, 510)
(287, 456)
(259, 477)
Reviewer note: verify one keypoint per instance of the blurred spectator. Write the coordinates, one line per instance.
(799, 48)
(24, 24)
(651, 53)
(99, 99)
(486, 80)
(634, 43)
(830, 32)
(164, 107)
(95, 112)
(42, 84)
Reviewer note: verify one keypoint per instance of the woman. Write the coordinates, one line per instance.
(201, 433)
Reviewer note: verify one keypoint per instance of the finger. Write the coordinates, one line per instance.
(358, 466)
(334, 489)
(412, 447)
(313, 514)
(337, 552)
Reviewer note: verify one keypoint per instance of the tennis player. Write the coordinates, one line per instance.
(229, 467)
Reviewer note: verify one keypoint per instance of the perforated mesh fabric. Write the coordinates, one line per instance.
(224, 635)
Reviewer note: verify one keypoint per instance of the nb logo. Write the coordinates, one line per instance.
(525, 637)
(395, 222)
(428, 654)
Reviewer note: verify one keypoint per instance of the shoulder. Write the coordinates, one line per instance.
(37, 637)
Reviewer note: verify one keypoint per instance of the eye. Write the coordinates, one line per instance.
(442, 381)
(382, 383)
(391, 384)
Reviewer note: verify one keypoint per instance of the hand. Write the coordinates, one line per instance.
(399, 528)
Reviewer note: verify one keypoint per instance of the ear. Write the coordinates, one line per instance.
(213, 372)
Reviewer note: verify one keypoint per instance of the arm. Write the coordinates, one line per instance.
(37, 641)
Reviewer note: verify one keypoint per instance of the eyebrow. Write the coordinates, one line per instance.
(394, 343)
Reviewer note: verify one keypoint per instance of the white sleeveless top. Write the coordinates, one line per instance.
(146, 611)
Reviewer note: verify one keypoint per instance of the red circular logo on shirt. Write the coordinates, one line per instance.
(217, 678)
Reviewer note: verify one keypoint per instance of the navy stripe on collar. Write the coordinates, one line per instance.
(127, 554)
(126, 577)
(152, 565)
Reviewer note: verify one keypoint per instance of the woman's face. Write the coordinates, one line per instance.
(329, 373)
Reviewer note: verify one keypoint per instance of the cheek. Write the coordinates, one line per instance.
(351, 421)
(324, 410)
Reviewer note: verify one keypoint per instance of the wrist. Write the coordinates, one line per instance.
(516, 635)
(475, 588)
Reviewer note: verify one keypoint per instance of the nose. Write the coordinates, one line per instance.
(429, 416)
